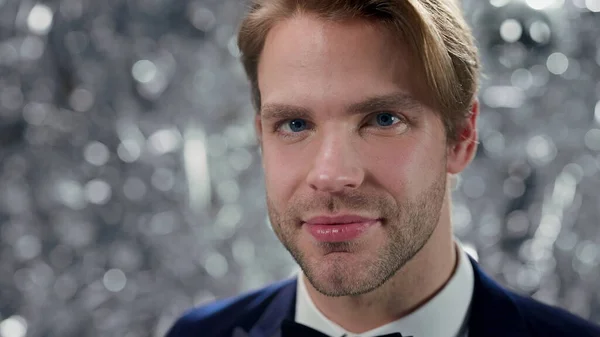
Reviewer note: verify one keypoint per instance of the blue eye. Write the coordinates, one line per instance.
(386, 119)
(296, 125)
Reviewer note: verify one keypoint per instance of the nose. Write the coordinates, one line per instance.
(336, 166)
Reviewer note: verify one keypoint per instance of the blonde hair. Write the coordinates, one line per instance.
(435, 30)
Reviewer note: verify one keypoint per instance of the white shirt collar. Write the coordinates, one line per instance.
(442, 316)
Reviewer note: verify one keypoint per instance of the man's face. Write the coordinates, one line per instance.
(354, 155)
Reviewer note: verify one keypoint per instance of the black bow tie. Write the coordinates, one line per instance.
(290, 328)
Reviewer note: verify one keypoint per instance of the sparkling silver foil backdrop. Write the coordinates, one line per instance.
(131, 186)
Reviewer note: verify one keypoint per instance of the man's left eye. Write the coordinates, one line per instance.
(384, 119)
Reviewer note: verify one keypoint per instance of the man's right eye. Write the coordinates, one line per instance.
(294, 125)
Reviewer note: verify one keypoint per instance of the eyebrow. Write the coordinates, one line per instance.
(401, 101)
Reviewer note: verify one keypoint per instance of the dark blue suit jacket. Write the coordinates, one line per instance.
(495, 312)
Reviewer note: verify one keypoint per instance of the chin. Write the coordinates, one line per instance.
(336, 285)
(341, 274)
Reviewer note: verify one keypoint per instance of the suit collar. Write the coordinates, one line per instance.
(491, 308)
(282, 307)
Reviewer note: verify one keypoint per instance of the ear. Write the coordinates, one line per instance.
(258, 129)
(462, 151)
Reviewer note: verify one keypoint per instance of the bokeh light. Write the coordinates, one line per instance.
(131, 186)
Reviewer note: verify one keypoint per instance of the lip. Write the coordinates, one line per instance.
(341, 228)
(338, 220)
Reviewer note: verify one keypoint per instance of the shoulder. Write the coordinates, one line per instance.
(549, 321)
(219, 318)
(497, 310)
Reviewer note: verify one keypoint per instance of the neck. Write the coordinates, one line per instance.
(413, 285)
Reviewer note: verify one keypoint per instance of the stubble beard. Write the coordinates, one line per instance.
(408, 226)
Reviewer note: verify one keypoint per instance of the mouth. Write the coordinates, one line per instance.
(340, 228)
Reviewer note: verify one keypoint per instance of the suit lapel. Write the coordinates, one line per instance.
(493, 312)
(283, 306)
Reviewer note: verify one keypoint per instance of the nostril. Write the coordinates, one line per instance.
(335, 183)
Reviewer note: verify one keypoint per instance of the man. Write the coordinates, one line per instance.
(365, 110)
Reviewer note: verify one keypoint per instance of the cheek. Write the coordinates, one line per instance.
(283, 171)
(392, 170)
(404, 167)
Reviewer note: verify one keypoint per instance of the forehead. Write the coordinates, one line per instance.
(310, 61)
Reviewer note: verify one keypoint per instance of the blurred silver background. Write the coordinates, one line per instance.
(131, 187)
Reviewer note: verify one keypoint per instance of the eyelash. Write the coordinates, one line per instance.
(403, 120)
